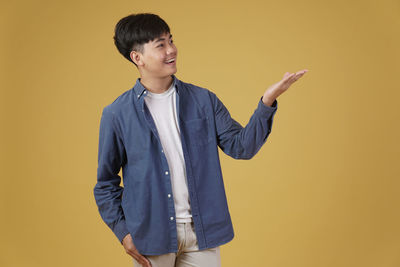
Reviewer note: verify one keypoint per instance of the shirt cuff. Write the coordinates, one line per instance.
(120, 230)
(265, 110)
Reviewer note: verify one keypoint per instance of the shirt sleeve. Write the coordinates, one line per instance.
(243, 142)
(107, 191)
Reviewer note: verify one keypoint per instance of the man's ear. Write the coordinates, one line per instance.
(135, 56)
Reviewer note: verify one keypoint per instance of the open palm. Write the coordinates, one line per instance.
(278, 88)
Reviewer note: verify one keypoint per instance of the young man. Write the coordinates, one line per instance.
(165, 134)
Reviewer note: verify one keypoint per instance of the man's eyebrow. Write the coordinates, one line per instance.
(162, 39)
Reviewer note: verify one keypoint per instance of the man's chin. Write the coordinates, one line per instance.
(169, 74)
(174, 71)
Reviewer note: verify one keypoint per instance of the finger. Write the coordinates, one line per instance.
(142, 259)
(294, 77)
(286, 75)
(145, 262)
(289, 75)
(299, 75)
(139, 260)
(302, 72)
(133, 251)
(135, 256)
(148, 262)
(290, 78)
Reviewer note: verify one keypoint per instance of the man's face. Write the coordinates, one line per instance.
(155, 56)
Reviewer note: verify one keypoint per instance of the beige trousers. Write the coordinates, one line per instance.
(188, 254)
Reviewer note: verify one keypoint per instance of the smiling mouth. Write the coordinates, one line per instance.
(171, 62)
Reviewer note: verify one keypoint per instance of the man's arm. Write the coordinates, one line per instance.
(107, 191)
(242, 142)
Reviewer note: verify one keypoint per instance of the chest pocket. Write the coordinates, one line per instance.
(198, 131)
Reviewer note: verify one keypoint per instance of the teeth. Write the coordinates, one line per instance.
(169, 61)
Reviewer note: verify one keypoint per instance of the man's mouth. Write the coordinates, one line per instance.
(171, 61)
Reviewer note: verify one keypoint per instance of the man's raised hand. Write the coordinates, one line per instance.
(278, 88)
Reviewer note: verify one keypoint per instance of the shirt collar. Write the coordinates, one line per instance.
(139, 89)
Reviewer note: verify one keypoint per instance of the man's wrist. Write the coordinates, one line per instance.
(268, 101)
(122, 241)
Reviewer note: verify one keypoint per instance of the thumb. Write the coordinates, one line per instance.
(286, 75)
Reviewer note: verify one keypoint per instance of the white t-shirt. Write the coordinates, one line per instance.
(163, 110)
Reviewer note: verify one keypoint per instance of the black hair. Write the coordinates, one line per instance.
(133, 31)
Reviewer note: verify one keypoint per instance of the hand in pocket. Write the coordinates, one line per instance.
(130, 249)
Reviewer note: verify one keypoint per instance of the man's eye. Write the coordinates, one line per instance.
(163, 44)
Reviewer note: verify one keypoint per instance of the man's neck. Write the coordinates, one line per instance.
(157, 85)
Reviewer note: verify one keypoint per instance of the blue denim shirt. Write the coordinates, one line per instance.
(129, 139)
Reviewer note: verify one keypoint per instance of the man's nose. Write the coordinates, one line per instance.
(171, 49)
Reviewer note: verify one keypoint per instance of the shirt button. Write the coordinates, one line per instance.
(138, 96)
(162, 151)
(172, 218)
(169, 195)
(166, 173)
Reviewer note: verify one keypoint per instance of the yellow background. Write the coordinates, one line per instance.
(323, 191)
